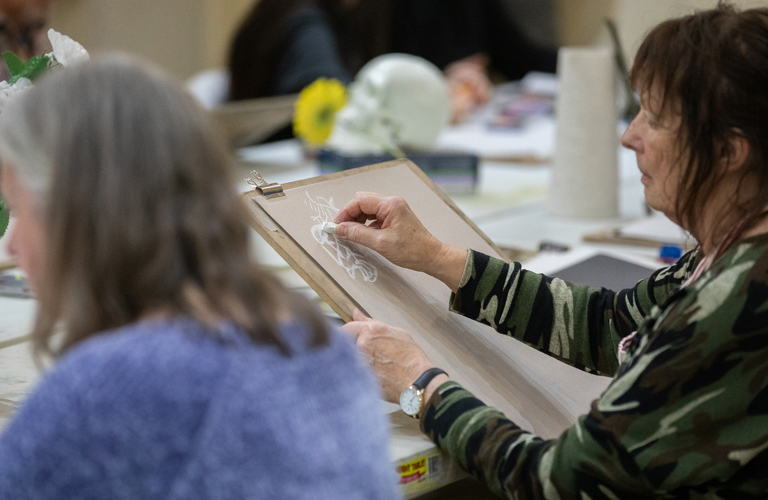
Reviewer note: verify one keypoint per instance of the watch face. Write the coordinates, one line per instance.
(410, 401)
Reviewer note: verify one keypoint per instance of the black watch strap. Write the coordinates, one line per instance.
(423, 381)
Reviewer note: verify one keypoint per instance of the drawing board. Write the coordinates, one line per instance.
(534, 390)
(248, 122)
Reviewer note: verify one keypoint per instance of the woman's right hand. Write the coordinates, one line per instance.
(399, 236)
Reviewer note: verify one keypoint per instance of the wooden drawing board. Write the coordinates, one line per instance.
(534, 390)
(248, 122)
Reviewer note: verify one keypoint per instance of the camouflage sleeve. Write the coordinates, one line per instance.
(514, 463)
(686, 415)
(575, 323)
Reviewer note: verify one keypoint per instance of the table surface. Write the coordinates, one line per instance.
(509, 205)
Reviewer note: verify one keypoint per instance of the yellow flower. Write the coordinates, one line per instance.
(316, 110)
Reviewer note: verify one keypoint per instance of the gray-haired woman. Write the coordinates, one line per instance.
(183, 370)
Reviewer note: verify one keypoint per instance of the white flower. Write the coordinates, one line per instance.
(5, 94)
(67, 51)
(7, 91)
(21, 84)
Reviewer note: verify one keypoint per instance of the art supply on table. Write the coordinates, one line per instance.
(514, 107)
(669, 254)
(656, 228)
(7, 265)
(596, 267)
(585, 174)
(606, 271)
(553, 246)
(652, 232)
(15, 284)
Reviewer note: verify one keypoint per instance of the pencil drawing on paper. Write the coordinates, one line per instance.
(342, 253)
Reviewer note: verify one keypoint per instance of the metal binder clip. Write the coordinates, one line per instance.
(273, 190)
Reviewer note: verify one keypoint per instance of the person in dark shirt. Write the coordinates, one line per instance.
(284, 45)
(447, 31)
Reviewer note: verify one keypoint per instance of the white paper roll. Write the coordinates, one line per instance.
(585, 176)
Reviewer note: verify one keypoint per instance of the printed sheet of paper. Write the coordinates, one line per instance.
(534, 390)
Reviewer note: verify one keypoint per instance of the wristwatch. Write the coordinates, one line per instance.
(412, 399)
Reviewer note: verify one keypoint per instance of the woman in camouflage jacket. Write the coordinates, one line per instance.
(686, 414)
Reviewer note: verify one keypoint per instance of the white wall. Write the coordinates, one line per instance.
(636, 17)
(184, 36)
(582, 21)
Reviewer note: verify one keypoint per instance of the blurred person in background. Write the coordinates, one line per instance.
(182, 369)
(284, 45)
(22, 30)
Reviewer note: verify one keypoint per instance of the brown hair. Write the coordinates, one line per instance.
(711, 67)
(362, 33)
(140, 209)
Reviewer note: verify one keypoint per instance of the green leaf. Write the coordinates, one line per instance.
(15, 64)
(36, 67)
(4, 218)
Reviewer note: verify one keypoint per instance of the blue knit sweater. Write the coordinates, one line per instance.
(165, 409)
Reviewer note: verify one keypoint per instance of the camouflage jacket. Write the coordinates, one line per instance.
(686, 415)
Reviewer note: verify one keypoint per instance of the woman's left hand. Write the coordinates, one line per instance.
(395, 357)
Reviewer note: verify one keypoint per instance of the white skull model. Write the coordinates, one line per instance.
(396, 101)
